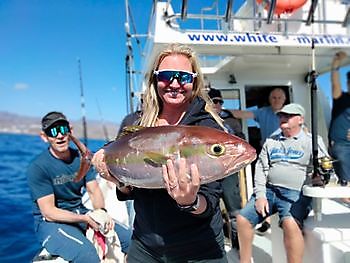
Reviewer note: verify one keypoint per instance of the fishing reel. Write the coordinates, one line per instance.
(325, 170)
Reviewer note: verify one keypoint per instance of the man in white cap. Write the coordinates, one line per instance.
(283, 167)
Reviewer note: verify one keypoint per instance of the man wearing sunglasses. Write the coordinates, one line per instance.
(230, 185)
(60, 217)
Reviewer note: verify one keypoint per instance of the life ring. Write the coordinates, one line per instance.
(283, 6)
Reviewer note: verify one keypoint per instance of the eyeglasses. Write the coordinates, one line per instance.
(216, 101)
(53, 131)
(168, 76)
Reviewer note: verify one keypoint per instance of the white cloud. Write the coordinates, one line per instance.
(21, 86)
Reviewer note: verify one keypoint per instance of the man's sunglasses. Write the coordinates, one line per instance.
(216, 101)
(53, 131)
(168, 76)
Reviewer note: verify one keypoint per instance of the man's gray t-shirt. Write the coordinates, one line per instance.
(285, 162)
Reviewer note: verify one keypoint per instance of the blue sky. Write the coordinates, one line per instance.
(41, 41)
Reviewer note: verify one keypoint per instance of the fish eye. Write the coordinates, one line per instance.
(217, 149)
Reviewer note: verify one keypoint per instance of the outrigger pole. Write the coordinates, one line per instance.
(313, 76)
(129, 61)
(82, 100)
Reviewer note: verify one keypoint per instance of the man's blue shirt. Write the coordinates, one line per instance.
(48, 175)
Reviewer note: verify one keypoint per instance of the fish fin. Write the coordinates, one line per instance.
(155, 159)
(130, 129)
(85, 158)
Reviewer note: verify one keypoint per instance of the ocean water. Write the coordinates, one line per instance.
(18, 242)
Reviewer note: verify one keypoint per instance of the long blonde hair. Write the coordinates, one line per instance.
(152, 103)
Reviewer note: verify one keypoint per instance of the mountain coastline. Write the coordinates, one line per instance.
(20, 124)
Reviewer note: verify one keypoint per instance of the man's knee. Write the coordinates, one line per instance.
(290, 226)
(242, 221)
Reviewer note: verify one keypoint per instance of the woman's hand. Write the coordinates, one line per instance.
(181, 186)
(98, 161)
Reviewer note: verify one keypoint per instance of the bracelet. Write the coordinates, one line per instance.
(335, 69)
(104, 209)
(192, 207)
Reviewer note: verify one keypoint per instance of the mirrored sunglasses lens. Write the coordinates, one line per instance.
(186, 78)
(63, 130)
(165, 76)
(53, 132)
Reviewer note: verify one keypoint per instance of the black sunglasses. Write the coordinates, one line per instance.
(216, 101)
(168, 76)
(60, 128)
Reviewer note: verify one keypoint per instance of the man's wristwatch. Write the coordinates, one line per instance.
(192, 207)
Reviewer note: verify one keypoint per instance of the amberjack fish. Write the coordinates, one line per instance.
(136, 158)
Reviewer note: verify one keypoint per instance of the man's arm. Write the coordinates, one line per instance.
(261, 171)
(242, 114)
(336, 87)
(53, 214)
(95, 194)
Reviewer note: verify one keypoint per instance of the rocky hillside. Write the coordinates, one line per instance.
(13, 123)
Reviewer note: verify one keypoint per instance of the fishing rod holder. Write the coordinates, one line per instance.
(324, 171)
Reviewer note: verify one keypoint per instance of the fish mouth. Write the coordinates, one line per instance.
(236, 162)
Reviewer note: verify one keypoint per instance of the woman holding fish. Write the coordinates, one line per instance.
(181, 220)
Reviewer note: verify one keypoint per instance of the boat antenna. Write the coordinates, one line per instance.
(82, 104)
(104, 128)
(313, 85)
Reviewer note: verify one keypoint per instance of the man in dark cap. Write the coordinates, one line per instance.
(230, 121)
(339, 131)
(230, 184)
(60, 217)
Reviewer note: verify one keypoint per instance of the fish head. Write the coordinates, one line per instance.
(216, 153)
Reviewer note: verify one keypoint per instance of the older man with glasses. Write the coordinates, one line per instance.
(283, 167)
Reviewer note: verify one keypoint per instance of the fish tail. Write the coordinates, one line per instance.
(85, 158)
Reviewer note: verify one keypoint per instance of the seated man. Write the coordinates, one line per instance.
(60, 217)
(282, 169)
(230, 184)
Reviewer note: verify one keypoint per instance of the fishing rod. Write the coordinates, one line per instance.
(129, 60)
(82, 104)
(320, 166)
(313, 85)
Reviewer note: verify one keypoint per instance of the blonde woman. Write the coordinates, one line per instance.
(182, 222)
